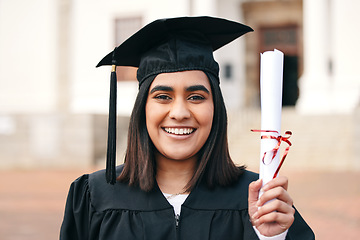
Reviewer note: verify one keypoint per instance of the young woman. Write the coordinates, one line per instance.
(178, 180)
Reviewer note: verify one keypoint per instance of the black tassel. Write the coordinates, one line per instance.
(111, 144)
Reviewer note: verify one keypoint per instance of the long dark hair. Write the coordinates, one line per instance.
(214, 164)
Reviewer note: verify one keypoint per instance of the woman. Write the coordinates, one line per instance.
(178, 180)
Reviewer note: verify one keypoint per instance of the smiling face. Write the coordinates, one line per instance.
(179, 114)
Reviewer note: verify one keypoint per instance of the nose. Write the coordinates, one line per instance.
(179, 110)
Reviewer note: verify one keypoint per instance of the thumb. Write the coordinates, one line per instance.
(254, 188)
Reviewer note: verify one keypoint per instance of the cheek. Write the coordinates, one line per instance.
(153, 115)
(205, 117)
(150, 116)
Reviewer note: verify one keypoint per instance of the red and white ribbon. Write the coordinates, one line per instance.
(274, 151)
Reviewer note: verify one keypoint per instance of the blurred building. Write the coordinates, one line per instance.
(53, 101)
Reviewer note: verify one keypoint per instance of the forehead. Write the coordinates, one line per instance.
(182, 79)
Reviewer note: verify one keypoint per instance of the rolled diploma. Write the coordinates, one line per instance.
(271, 84)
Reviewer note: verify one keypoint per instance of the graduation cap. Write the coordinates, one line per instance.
(167, 45)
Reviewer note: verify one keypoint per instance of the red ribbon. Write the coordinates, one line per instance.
(276, 148)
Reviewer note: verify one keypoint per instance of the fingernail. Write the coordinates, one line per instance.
(255, 216)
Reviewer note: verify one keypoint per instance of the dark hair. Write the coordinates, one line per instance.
(215, 166)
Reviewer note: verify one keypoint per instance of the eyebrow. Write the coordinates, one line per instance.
(192, 88)
(161, 88)
(197, 88)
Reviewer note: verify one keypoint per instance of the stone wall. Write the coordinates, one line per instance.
(320, 142)
(52, 140)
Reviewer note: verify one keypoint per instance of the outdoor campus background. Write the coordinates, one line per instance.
(53, 101)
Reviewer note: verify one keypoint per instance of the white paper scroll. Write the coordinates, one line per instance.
(271, 84)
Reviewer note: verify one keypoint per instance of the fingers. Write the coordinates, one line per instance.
(254, 189)
(273, 212)
(275, 193)
(281, 220)
(280, 181)
(275, 189)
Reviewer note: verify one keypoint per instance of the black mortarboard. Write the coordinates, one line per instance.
(167, 45)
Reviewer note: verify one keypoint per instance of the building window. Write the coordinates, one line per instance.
(228, 72)
(280, 38)
(124, 28)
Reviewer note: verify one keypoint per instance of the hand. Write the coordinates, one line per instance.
(275, 216)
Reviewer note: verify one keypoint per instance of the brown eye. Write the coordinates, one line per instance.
(196, 97)
(162, 97)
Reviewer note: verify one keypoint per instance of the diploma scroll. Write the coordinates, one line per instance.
(271, 84)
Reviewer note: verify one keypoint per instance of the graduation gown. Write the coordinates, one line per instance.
(96, 210)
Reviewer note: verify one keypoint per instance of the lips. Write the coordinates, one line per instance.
(179, 131)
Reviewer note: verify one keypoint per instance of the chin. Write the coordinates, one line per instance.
(179, 156)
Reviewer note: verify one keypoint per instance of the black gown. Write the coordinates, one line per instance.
(97, 210)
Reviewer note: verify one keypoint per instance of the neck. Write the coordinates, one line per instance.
(173, 176)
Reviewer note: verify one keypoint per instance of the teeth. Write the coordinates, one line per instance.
(179, 131)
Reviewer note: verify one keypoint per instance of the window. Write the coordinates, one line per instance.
(282, 38)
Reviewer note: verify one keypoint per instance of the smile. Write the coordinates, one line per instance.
(180, 131)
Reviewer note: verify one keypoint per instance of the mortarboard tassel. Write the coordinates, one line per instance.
(111, 144)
